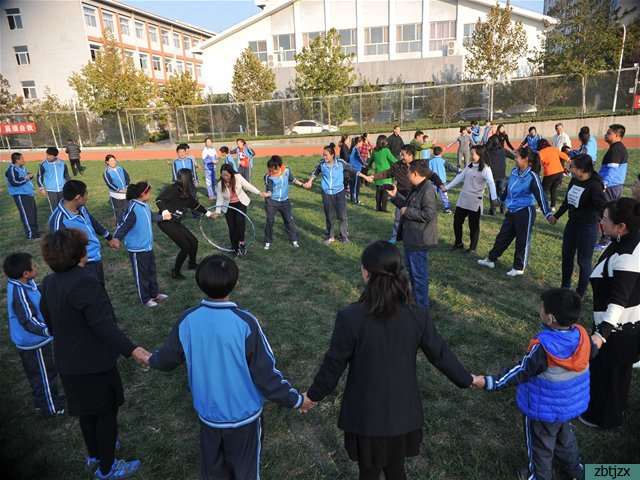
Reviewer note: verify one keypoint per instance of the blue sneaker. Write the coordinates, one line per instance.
(120, 469)
(91, 464)
(392, 241)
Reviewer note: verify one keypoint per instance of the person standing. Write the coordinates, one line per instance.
(20, 187)
(474, 130)
(395, 142)
(588, 145)
(244, 155)
(561, 138)
(73, 150)
(552, 161)
(381, 159)
(356, 161)
(210, 161)
(184, 161)
(52, 175)
(531, 140)
(489, 130)
(344, 153)
(497, 160)
(465, 142)
(117, 180)
(501, 133)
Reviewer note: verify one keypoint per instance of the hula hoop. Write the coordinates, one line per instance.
(252, 236)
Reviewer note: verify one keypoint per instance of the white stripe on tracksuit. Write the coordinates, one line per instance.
(45, 382)
(23, 214)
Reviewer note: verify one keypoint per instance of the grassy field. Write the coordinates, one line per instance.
(486, 317)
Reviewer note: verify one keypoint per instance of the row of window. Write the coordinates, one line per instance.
(157, 62)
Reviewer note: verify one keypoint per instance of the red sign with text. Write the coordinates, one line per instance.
(636, 102)
(17, 128)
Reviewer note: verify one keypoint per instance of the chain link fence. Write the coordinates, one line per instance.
(521, 99)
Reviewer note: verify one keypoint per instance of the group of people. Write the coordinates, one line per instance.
(566, 372)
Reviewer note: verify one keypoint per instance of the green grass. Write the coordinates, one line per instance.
(486, 317)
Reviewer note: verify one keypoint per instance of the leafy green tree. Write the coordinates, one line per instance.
(9, 102)
(181, 89)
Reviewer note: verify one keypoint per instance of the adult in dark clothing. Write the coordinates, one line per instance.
(73, 150)
(616, 298)
(501, 133)
(345, 154)
(497, 161)
(395, 142)
(378, 338)
(173, 200)
(585, 202)
(87, 342)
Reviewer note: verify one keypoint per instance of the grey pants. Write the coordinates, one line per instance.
(335, 206)
(465, 156)
(119, 206)
(284, 207)
(396, 217)
(54, 199)
(246, 173)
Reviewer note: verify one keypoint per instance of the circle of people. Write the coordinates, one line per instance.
(565, 374)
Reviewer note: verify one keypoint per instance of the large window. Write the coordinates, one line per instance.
(107, 18)
(94, 49)
(199, 70)
(348, 40)
(285, 47)
(190, 68)
(157, 64)
(165, 37)
(187, 42)
(309, 37)
(376, 40)
(259, 47)
(440, 33)
(124, 26)
(179, 66)
(129, 57)
(139, 30)
(468, 31)
(22, 55)
(409, 38)
(153, 34)
(29, 89)
(168, 66)
(14, 19)
(144, 61)
(176, 40)
(90, 16)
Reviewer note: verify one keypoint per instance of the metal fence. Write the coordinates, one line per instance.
(532, 98)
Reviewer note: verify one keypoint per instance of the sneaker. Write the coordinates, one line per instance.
(91, 464)
(587, 423)
(448, 211)
(514, 273)
(344, 240)
(120, 469)
(485, 262)
(151, 303)
(267, 245)
(242, 249)
(553, 209)
(295, 244)
(458, 246)
(469, 251)
(161, 296)
(392, 241)
(327, 241)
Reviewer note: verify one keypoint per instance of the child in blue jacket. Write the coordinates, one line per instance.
(231, 371)
(440, 166)
(20, 187)
(117, 180)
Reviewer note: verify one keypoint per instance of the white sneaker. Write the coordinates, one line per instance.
(295, 244)
(485, 262)
(514, 273)
(636, 365)
(151, 303)
(266, 246)
(161, 296)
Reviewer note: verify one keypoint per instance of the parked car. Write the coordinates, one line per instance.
(304, 127)
(479, 114)
(522, 109)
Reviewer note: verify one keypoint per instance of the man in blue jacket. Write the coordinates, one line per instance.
(20, 187)
(52, 175)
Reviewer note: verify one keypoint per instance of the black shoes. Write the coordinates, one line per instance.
(176, 275)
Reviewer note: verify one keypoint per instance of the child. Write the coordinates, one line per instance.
(52, 175)
(228, 158)
(73, 150)
(475, 132)
(137, 233)
(356, 161)
(20, 187)
(231, 370)
(244, 155)
(465, 142)
(333, 195)
(184, 162)
(117, 180)
(440, 166)
(210, 160)
(554, 384)
(30, 334)
(276, 181)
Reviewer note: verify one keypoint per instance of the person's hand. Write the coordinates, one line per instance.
(166, 216)
(495, 202)
(214, 215)
(307, 404)
(443, 188)
(393, 192)
(478, 382)
(369, 178)
(307, 184)
(43, 192)
(552, 220)
(29, 176)
(196, 184)
(115, 243)
(141, 356)
(597, 339)
(402, 210)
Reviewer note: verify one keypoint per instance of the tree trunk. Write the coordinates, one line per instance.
(121, 130)
(246, 116)
(491, 100)
(255, 120)
(584, 94)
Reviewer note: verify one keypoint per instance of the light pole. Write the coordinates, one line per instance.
(615, 95)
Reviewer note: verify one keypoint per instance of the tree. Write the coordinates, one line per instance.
(584, 41)
(112, 83)
(9, 102)
(323, 69)
(252, 82)
(496, 46)
(181, 89)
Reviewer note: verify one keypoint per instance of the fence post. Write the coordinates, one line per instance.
(186, 124)
(255, 119)
(211, 119)
(444, 106)
(284, 125)
(401, 104)
(360, 102)
(75, 115)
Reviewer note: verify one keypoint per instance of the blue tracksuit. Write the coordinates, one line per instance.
(279, 186)
(228, 159)
(244, 152)
(26, 324)
(136, 227)
(531, 142)
(17, 183)
(188, 163)
(523, 191)
(116, 178)
(21, 189)
(475, 134)
(52, 175)
(332, 175)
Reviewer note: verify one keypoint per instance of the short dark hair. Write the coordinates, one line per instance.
(241, 140)
(473, 123)
(224, 150)
(543, 143)
(420, 167)
(134, 190)
(418, 133)
(410, 149)
(564, 304)
(532, 128)
(274, 162)
(437, 151)
(217, 276)
(182, 146)
(73, 188)
(396, 126)
(16, 264)
(52, 151)
(63, 249)
(625, 210)
(15, 156)
(618, 129)
(109, 157)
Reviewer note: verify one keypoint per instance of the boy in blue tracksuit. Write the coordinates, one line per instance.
(117, 180)
(231, 371)
(30, 334)
(137, 232)
(553, 379)
(531, 140)
(356, 161)
(20, 187)
(475, 132)
(72, 213)
(210, 161)
(52, 175)
(184, 162)
(439, 166)
(276, 181)
(228, 158)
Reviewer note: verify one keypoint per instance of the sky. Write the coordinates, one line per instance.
(218, 15)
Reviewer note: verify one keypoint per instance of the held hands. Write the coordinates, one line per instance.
(265, 194)
(29, 176)
(166, 216)
(43, 192)
(115, 243)
(214, 215)
(478, 382)
(369, 178)
(495, 202)
(443, 188)
(307, 404)
(597, 340)
(393, 192)
(552, 220)
(307, 184)
(141, 356)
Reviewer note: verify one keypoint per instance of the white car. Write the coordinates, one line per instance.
(305, 127)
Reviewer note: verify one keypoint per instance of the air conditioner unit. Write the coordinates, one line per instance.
(452, 48)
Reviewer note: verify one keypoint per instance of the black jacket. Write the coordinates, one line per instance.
(497, 161)
(400, 171)
(419, 225)
(169, 199)
(395, 144)
(382, 396)
(79, 315)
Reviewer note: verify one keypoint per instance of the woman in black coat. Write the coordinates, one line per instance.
(497, 160)
(378, 338)
(87, 342)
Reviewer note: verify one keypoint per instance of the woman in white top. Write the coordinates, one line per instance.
(210, 160)
(476, 176)
(231, 191)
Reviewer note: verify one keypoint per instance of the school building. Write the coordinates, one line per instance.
(43, 42)
(414, 40)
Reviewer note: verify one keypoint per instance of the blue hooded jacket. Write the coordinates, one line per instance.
(26, 324)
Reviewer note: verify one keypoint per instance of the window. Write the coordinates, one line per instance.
(29, 89)
(168, 65)
(307, 38)
(409, 38)
(124, 26)
(259, 47)
(187, 42)
(348, 40)
(153, 34)
(198, 70)
(468, 31)
(285, 47)
(94, 49)
(107, 18)
(144, 61)
(376, 40)
(440, 33)
(22, 55)
(179, 66)
(14, 19)
(128, 56)
(139, 30)
(190, 68)
(176, 40)
(90, 16)
(157, 65)
(165, 37)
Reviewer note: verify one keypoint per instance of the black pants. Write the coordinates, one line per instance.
(43, 378)
(546, 441)
(550, 184)
(236, 222)
(28, 214)
(354, 187)
(100, 433)
(284, 207)
(96, 269)
(75, 166)
(516, 225)
(474, 226)
(500, 182)
(335, 206)
(144, 273)
(381, 198)
(119, 206)
(391, 472)
(54, 198)
(182, 237)
(578, 238)
(231, 453)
